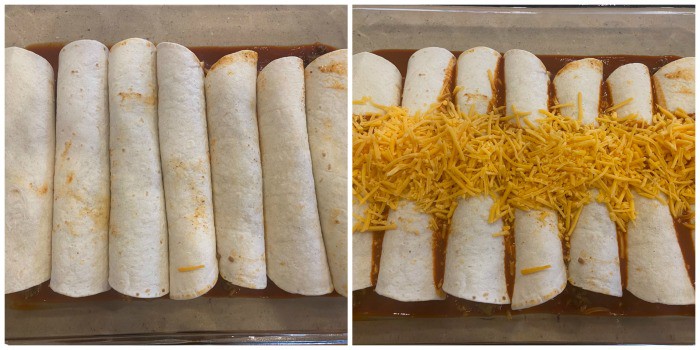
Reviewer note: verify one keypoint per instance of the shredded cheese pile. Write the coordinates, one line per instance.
(437, 157)
(649, 159)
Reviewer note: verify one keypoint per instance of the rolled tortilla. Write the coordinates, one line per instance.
(674, 85)
(184, 152)
(656, 270)
(540, 273)
(29, 165)
(594, 258)
(584, 77)
(406, 270)
(296, 257)
(527, 83)
(537, 242)
(475, 258)
(376, 78)
(236, 170)
(361, 251)
(655, 267)
(79, 254)
(430, 75)
(477, 72)
(326, 115)
(632, 81)
(138, 235)
(475, 261)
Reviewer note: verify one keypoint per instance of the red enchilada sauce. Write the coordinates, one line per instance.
(573, 300)
(34, 297)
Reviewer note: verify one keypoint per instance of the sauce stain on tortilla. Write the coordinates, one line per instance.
(66, 148)
(98, 214)
(683, 74)
(449, 81)
(687, 91)
(41, 190)
(339, 68)
(200, 210)
(336, 85)
(130, 95)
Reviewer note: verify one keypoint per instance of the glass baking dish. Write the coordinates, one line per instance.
(247, 318)
(569, 30)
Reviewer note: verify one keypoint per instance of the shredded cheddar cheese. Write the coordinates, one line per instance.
(619, 105)
(437, 157)
(580, 106)
(532, 270)
(190, 268)
(558, 106)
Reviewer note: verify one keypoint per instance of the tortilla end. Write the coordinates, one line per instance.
(538, 300)
(240, 56)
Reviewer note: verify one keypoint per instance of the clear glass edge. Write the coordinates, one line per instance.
(592, 9)
(240, 338)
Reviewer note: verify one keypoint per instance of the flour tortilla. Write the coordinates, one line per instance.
(236, 170)
(361, 251)
(595, 260)
(656, 270)
(583, 77)
(632, 81)
(406, 270)
(296, 256)
(674, 85)
(527, 83)
(537, 244)
(429, 76)
(326, 115)
(475, 259)
(81, 182)
(537, 240)
(407, 264)
(376, 78)
(138, 235)
(184, 152)
(29, 165)
(655, 267)
(473, 67)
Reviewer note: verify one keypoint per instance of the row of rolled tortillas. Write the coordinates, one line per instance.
(474, 267)
(132, 144)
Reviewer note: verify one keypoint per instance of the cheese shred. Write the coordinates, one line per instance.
(190, 268)
(532, 270)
